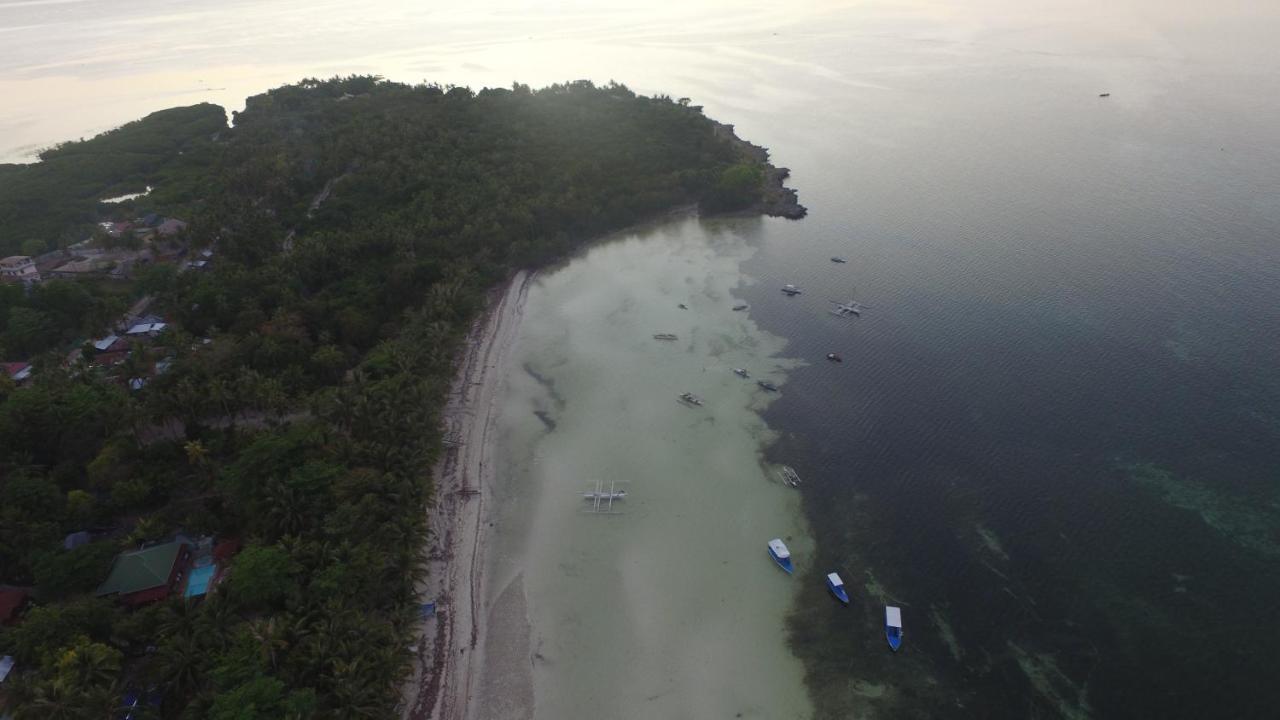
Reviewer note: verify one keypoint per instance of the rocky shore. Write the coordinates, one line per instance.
(776, 200)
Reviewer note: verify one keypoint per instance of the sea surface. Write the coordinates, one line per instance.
(1054, 439)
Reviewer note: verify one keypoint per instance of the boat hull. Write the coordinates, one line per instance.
(894, 636)
(784, 563)
(839, 592)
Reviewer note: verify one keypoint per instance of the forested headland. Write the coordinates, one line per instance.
(288, 406)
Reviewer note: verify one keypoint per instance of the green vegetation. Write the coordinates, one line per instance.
(53, 203)
(357, 226)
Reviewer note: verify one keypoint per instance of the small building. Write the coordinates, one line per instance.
(18, 371)
(110, 343)
(146, 328)
(76, 539)
(19, 269)
(170, 227)
(82, 268)
(145, 576)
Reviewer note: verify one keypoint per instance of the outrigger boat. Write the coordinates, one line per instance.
(741, 372)
(893, 626)
(791, 290)
(665, 336)
(605, 495)
(602, 500)
(740, 306)
(836, 586)
(789, 476)
(767, 385)
(780, 554)
(839, 260)
(690, 399)
(853, 308)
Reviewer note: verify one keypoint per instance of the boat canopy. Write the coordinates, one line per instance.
(892, 617)
(779, 548)
(835, 580)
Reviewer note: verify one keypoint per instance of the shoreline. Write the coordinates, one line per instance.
(441, 681)
(777, 200)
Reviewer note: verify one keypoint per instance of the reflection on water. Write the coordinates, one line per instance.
(1054, 436)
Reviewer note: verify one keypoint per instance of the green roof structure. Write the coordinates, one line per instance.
(141, 569)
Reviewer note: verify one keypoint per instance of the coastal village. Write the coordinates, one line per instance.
(115, 252)
(130, 352)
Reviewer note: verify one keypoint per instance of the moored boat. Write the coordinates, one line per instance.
(893, 626)
(792, 290)
(665, 336)
(740, 306)
(839, 260)
(836, 586)
(741, 372)
(605, 495)
(690, 399)
(780, 554)
(789, 476)
(766, 385)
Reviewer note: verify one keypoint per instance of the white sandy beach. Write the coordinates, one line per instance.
(443, 677)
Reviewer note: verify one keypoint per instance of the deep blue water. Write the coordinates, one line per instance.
(1058, 426)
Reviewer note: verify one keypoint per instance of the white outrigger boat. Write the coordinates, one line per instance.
(690, 399)
(602, 500)
(741, 372)
(789, 476)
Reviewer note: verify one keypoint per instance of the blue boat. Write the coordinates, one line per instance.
(893, 627)
(836, 586)
(780, 554)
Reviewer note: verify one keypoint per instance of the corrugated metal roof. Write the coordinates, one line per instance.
(105, 342)
(141, 570)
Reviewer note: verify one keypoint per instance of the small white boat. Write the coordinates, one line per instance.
(893, 626)
(791, 290)
(741, 372)
(780, 554)
(836, 586)
(690, 399)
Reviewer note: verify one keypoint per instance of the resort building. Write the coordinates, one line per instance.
(145, 576)
(19, 268)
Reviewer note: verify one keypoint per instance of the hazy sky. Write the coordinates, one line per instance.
(71, 68)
